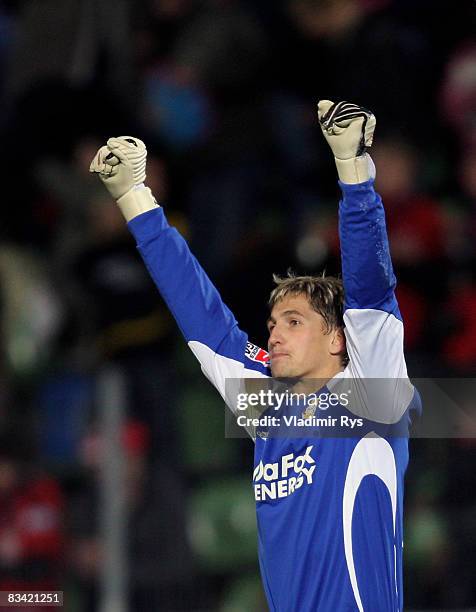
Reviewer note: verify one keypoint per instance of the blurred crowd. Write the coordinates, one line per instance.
(224, 94)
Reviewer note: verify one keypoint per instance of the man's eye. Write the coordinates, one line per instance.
(294, 322)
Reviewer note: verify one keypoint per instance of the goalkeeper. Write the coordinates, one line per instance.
(329, 509)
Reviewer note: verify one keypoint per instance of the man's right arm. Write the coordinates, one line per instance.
(207, 324)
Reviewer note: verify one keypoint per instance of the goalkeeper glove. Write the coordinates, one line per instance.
(349, 131)
(121, 167)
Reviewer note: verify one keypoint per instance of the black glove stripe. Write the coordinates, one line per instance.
(347, 116)
(345, 106)
(362, 148)
(350, 113)
(349, 105)
(348, 108)
(341, 110)
(326, 120)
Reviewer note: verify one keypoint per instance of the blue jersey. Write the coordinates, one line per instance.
(329, 509)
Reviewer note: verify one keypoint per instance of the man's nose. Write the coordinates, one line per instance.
(275, 337)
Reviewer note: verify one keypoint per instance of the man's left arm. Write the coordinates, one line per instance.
(373, 323)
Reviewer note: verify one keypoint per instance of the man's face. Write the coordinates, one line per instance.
(298, 344)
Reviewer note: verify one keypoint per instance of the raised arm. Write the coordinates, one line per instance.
(373, 324)
(366, 265)
(208, 326)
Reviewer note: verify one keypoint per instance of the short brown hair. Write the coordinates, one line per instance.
(324, 293)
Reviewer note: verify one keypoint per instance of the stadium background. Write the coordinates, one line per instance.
(223, 92)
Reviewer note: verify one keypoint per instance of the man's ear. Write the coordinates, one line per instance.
(337, 341)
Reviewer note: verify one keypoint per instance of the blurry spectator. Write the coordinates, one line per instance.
(390, 68)
(176, 107)
(415, 220)
(31, 523)
(158, 555)
(175, 104)
(157, 25)
(225, 46)
(127, 313)
(418, 232)
(70, 42)
(467, 183)
(32, 311)
(458, 93)
(467, 176)
(66, 188)
(459, 344)
(204, 99)
(126, 322)
(428, 548)
(459, 348)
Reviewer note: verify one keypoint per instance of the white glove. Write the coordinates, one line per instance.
(121, 167)
(349, 130)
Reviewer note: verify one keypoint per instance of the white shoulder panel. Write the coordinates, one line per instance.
(377, 370)
(375, 343)
(219, 369)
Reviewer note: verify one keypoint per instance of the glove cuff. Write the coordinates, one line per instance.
(136, 201)
(355, 170)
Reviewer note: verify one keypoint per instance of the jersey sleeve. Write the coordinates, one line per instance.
(207, 324)
(372, 319)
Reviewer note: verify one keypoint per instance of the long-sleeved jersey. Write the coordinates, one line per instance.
(329, 509)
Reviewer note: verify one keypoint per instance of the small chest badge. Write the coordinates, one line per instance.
(309, 412)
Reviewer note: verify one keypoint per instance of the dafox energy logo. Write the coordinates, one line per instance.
(283, 478)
